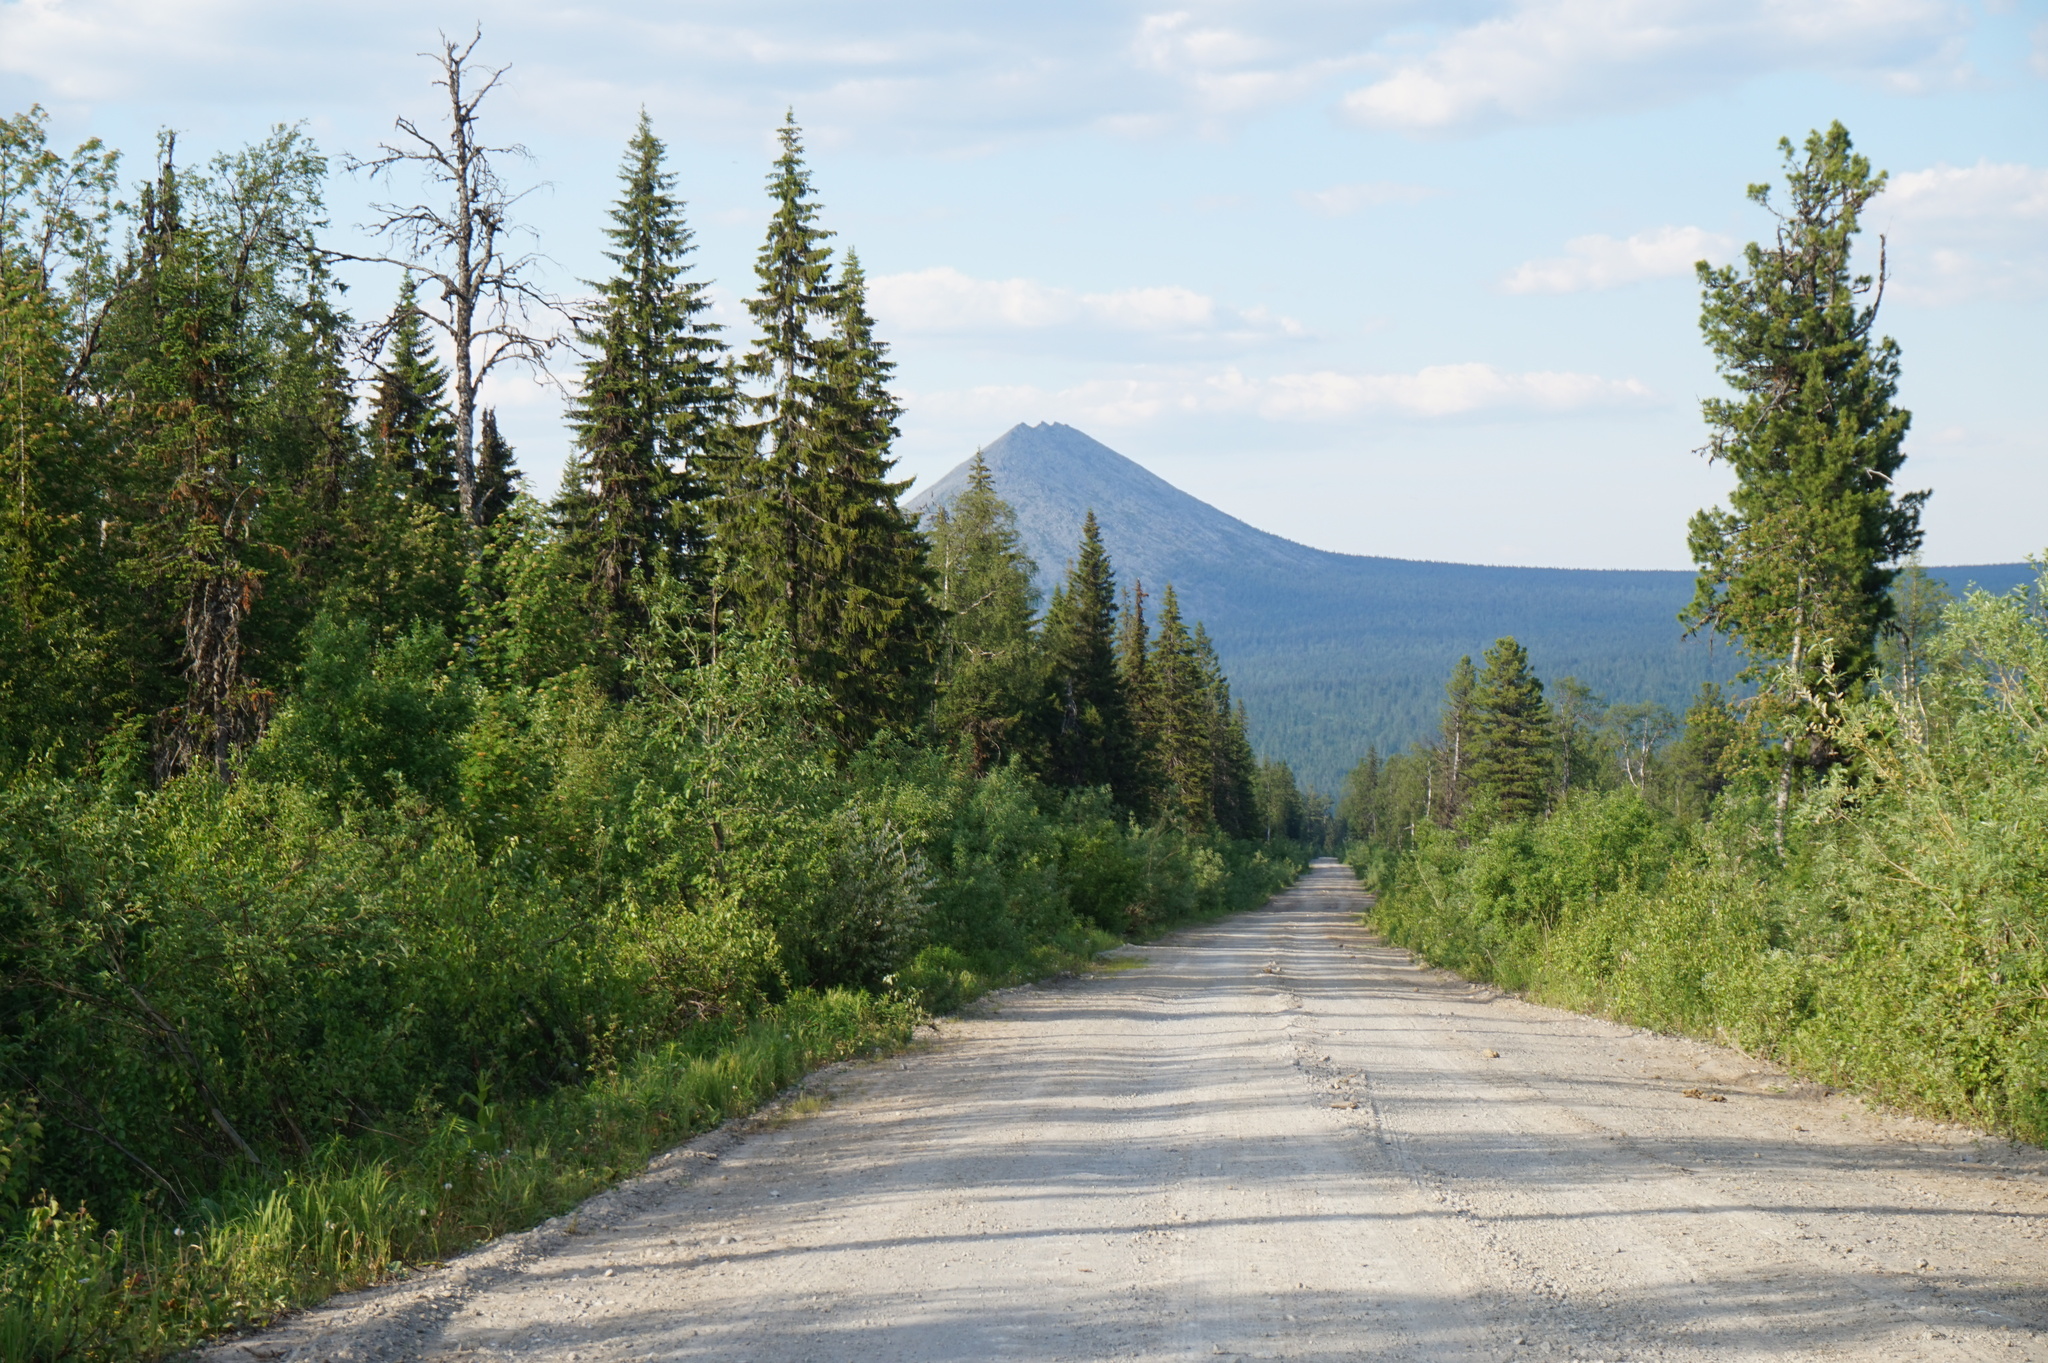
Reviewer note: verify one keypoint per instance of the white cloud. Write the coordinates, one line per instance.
(1545, 59)
(1987, 194)
(1341, 200)
(922, 73)
(1603, 262)
(943, 299)
(1962, 233)
(1434, 392)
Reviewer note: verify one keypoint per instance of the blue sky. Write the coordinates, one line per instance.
(1388, 278)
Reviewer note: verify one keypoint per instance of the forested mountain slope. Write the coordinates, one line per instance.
(1332, 652)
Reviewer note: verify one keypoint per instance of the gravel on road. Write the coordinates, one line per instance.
(1271, 1137)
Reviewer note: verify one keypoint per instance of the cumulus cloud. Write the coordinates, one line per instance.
(1962, 233)
(931, 74)
(1342, 200)
(1603, 262)
(1541, 59)
(943, 299)
(1434, 392)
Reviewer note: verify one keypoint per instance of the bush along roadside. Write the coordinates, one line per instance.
(360, 1210)
(1897, 945)
(273, 1038)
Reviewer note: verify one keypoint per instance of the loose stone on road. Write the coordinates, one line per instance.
(1276, 1138)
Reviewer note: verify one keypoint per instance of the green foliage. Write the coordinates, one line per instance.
(989, 681)
(1897, 946)
(375, 876)
(655, 396)
(1795, 570)
(1090, 742)
(1511, 739)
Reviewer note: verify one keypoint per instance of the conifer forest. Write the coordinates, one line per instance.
(390, 858)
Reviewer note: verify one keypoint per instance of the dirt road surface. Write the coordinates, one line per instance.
(1277, 1138)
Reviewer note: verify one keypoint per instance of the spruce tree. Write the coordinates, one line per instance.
(1134, 680)
(410, 428)
(1182, 716)
(497, 472)
(988, 678)
(1233, 766)
(1796, 569)
(815, 542)
(1511, 758)
(653, 398)
(1089, 742)
(868, 628)
(765, 520)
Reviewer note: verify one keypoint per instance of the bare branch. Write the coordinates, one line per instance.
(488, 298)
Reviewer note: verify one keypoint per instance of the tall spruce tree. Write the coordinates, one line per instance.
(1797, 568)
(815, 541)
(1511, 735)
(765, 520)
(1233, 767)
(404, 519)
(872, 630)
(1134, 680)
(1181, 713)
(654, 396)
(1089, 740)
(988, 678)
(410, 426)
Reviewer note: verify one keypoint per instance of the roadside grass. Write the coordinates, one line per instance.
(382, 1204)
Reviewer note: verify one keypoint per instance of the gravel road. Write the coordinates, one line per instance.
(1276, 1138)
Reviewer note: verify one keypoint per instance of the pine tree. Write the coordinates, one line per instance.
(410, 428)
(1181, 714)
(1511, 758)
(654, 397)
(988, 677)
(1796, 569)
(1090, 741)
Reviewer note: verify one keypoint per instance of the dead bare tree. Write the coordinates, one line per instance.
(463, 244)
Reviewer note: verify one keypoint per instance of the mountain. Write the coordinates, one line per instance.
(1332, 652)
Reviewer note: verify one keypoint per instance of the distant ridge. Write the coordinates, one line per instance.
(1332, 652)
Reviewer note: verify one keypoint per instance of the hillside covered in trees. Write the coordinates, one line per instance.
(1338, 653)
(387, 857)
(1840, 864)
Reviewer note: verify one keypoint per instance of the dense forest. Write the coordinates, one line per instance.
(1838, 863)
(389, 857)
